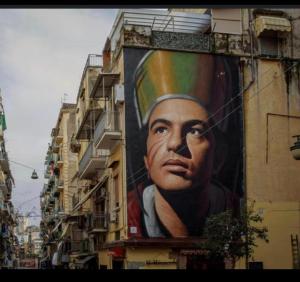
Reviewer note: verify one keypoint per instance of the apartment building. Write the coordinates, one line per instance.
(8, 218)
(242, 67)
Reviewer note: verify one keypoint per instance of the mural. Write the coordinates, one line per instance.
(183, 140)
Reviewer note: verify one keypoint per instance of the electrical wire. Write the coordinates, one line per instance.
(224, 118)
(211, 116)
(234, 110)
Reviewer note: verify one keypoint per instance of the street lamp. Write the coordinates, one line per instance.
(296, 148)
(34, 174)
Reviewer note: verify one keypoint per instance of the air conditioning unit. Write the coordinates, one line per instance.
(119, 93)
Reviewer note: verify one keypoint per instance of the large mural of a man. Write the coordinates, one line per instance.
(181, 127)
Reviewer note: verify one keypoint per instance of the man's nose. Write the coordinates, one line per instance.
(175, 141)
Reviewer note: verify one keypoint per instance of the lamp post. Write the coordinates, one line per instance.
(34, 174)
(296, 148)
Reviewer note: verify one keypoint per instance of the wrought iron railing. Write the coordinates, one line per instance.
(97, 221)
(159, 20)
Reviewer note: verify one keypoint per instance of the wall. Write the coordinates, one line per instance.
(149, 259)
(272, 114)
(159, 73)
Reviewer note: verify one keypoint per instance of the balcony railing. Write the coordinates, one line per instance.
(97, 222)
(84, 246)
(59, 211)
(59, 184)
(107, 133)
(74, 145)
(158, 20)
(103, 85)
(75, 246)
(90, 116)
(92, 161)
(93, 60)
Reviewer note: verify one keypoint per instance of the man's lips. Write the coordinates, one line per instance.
(175, 166)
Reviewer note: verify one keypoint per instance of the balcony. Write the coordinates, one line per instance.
(59, 212)
(55, 149)
(92, 161)
(107, 133)
(60, 162)
(159, 20)
(55, 192)
(91, 115)
(103, 85)
(74, 145)
(4, 162)
(60, 185)
(51, 200)
(6, 209)
(3, 187)
(97, 223)
(45, 190)
(58, 139)
(75, 246)
(84, 246)
(75, 200)
(57, 135)
(50, 219)
(93, 61)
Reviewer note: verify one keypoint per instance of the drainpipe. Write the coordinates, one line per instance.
(250, 31)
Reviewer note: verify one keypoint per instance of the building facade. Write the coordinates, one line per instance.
(242, 67)
(8, 219)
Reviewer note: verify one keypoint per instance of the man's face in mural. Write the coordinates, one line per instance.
(179, 155)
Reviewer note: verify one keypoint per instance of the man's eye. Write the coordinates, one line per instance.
(196, 132)
(160, 130)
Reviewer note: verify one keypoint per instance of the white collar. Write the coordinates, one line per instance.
(150, 218)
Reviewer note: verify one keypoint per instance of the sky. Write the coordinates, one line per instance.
(42, 57)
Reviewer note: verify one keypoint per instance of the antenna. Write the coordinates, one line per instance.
(64, 98)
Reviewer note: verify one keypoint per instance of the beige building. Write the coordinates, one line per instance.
(265, 43)
(56, 197)
(8, 219)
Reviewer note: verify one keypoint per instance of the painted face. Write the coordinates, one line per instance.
(179, 146)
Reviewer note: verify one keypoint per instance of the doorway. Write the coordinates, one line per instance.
(117, 264)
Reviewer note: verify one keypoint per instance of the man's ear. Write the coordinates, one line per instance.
(146, 162)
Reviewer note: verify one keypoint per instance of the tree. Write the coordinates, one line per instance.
(229, 237)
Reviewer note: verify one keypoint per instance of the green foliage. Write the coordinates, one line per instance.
(231, 237)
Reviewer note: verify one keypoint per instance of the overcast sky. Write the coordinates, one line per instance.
(42, 56)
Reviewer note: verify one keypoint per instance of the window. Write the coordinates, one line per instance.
(270, 46)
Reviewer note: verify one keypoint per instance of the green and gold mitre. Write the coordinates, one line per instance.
(165, 75)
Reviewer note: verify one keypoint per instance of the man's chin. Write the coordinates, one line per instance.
(175, 182)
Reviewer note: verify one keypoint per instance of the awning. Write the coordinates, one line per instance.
(56, 227)
(264, 23)
(84, 260)
(64, 231)
(88, 195)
